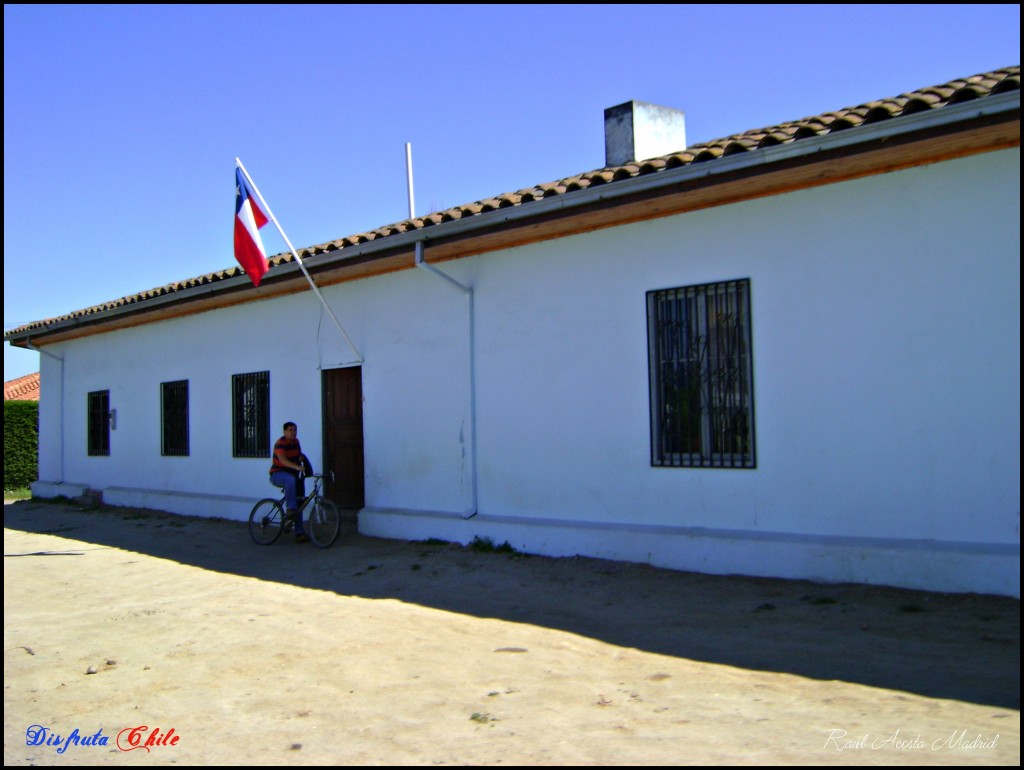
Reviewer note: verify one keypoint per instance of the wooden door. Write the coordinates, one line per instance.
(343, 435)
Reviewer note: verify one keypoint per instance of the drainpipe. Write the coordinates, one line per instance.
(30, 346)
(468, 291)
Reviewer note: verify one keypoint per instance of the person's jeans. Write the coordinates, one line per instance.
(289, 482)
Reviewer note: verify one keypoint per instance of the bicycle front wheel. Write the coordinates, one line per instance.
(324, 523)
(266, 522)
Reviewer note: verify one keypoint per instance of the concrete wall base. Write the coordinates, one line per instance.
(52, 489)
(929, 565)
(184, 503)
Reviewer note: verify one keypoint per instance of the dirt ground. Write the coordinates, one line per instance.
(123, 625)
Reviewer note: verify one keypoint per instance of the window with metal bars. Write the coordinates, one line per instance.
(250, 398)
(99, 422)
(701, 378)
(174, 418)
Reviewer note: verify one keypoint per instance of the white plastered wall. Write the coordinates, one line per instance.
(886, 373)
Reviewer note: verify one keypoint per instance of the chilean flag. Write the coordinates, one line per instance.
(249, 218)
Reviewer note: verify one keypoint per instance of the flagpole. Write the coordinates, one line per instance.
(408, 174)
(359, 357)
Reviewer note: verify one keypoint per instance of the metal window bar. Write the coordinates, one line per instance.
(174, 422)
(701, 390)
(251, 414)
(99, 422)
(728, 375)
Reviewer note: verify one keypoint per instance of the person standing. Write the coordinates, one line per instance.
(284, 473)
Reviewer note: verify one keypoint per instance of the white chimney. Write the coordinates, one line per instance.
(637, 131)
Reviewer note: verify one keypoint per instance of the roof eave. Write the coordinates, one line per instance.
(393, 251)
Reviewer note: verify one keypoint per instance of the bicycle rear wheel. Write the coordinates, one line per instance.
(266, 522)
(323, 523)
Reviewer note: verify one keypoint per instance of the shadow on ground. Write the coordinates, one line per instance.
(958, 646)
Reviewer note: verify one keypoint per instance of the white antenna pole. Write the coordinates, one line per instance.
(302, 266)
(408, 174)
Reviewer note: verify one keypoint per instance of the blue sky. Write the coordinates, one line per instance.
(121, 123)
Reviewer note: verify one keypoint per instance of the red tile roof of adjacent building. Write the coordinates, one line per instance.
(23, 388)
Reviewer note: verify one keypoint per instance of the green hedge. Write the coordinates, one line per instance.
(21, 443)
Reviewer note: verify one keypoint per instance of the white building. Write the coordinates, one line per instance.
(793, 352)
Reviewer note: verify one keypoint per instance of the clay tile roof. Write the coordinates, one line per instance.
(924, 99)
(23, 388)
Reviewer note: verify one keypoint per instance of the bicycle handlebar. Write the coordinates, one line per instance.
(329, 474)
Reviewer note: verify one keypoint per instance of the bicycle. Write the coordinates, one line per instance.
(323, 523)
